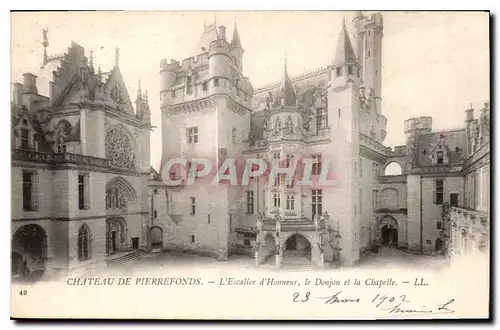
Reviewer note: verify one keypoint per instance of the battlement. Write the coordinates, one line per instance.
(219, 46)
(421, 124)
(296, 78)
(373, 20)
(193, 61)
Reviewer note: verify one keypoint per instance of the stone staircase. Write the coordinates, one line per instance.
(125, 257)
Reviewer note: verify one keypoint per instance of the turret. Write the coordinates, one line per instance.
(469, 114)
(344, 66)
(220, 65)
(29, 83)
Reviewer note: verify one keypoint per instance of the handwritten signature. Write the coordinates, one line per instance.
(403, 308)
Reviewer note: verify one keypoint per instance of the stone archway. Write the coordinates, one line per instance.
(297, 247)
(387, 231)
(156, 235)
(29, 251)
(116, 234)
(266, 249)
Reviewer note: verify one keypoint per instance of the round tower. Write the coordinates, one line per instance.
(424, 124)
(220, 64)
(168, 76)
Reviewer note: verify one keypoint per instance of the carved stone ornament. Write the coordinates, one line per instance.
(119, 149)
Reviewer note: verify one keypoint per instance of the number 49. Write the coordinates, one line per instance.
(23, 292)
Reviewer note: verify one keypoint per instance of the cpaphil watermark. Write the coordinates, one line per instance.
(292, 172)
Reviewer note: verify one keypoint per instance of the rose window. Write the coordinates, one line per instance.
(119, 149)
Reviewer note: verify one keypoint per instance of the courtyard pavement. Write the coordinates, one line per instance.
(386, 258)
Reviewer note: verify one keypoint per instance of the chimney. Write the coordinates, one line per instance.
(486, 105)
(17, 96)
(222, 32)
(29, 83)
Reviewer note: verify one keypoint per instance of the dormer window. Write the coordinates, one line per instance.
(25, 138)
(439, 157)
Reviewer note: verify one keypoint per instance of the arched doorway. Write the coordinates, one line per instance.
(388, 231)
(29, 252)
(297, 247)
(116, 235)
(156, 234)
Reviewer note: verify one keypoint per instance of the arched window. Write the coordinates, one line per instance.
(84, 243)
(393, 169)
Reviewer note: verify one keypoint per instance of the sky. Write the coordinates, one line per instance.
(434, 63)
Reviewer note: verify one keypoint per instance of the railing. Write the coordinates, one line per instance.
(59, 158)
(466, 217)
(387, 210)
(368, 142)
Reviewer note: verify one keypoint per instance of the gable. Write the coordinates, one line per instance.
(116, 91)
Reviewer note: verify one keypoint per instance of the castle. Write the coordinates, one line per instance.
(333, 116)
(84, 193)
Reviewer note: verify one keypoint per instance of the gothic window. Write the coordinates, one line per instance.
(119, 149)
(30, 191)
(349, 70)
(216, 82)
(84, 243)
(204, 86)
(115, 199)
(338, 72)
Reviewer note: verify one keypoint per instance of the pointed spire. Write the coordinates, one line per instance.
(344, 53)
(139, 91)
(117, 55)
(236, 42)
(287, 93)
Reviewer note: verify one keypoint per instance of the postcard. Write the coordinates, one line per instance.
(250, 165)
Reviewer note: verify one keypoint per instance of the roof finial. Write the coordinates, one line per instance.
(45, 44)
(117, 55)
(343, 20)
(91, 60)
(139, 87)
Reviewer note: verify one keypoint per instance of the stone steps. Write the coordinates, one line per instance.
(125, 258)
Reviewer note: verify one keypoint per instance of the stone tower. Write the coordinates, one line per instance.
(205, 103)
(368, 33)
(343, 105)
